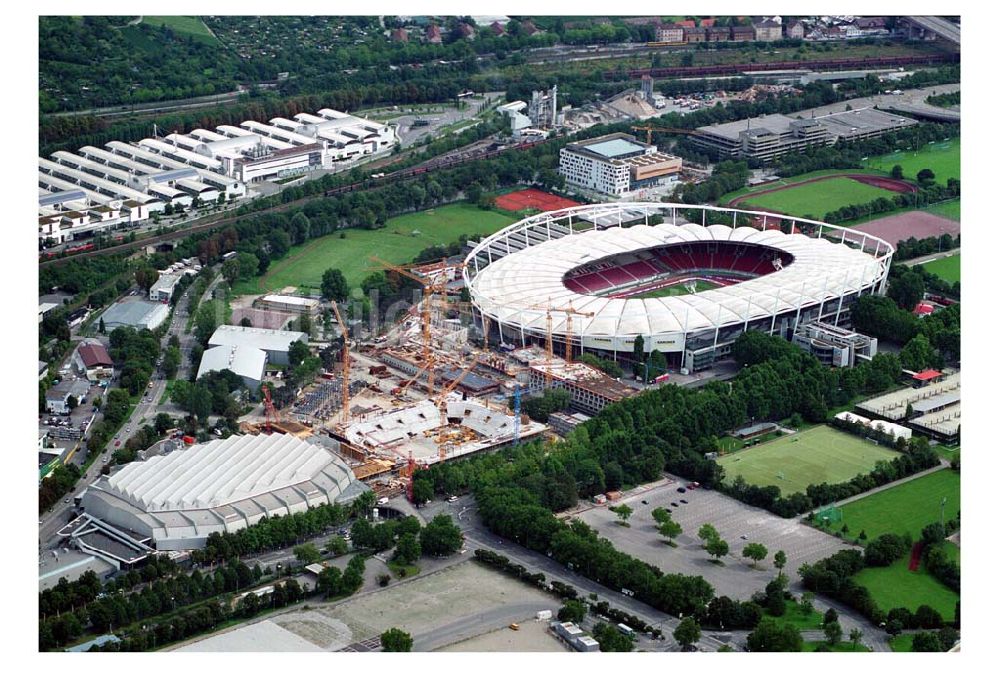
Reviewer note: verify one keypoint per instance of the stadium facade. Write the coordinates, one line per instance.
(176, 501)
(601, 275)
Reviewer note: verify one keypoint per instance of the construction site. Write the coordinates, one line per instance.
(428, 390)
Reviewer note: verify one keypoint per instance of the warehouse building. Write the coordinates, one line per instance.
(247, 362)
(768, 137)
(135, 313)
(163, 289)
(273, 342)
(616, 164)
(176, 501)
(92, 360)
(283, 303)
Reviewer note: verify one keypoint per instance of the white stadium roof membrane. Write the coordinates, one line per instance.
(542, 250)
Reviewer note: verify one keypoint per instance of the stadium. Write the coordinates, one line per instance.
(689, 279)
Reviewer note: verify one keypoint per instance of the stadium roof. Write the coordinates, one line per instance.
(507, 288)
(222, 485)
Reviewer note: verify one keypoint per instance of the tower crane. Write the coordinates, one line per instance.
(451, 386)
(649, 129)
(345, 388)
(429, 289)
(270, 414)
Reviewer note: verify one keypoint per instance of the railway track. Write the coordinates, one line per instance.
(830, 64)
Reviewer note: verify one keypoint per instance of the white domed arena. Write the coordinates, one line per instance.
(687, 278)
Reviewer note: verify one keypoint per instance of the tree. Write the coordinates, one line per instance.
(337, 545)
(423, 490)
(395, 640)
(163, 423)
(856, 635)
(307, 553)
(918, 354)
(926, 642)
(718, 549)
(830, 616)
(231, 270)
(708, 533)
(573, 611)
(688, 632)
(780, 560)
(146, 277)
(755, 552)
(297, 353)
(669, 529)
(770, 636)
(611, 640)
(246, 322)
(440, 537)
(72, 402)
(834, 633)
(638, 355)
(907, 290)
(897, 172)
(334, 286)
(101, 328)
(407, 549)
(925, 176)
(623, 512)
(806, 603)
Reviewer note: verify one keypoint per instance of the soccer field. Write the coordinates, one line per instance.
(818, 198)
(399, 242)
(942, 157)
(677, 290)
(907, 507)
(817, 455)
(948, 268)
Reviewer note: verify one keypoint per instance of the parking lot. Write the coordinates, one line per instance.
(732, 519)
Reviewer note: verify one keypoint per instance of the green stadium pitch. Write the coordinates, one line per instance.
(813, 456)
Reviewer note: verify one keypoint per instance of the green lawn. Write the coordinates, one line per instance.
(941, 157)
(399, 242)
(819, 198)
(948, 268)
(677, 290)
(847, 647)
(946, 452)
(896, 586)
(902, 643)
(794, 617)
(184, 25)
(813, 456)
(907, 507)
(949, 210)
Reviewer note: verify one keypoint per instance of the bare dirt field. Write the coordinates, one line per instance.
(532, 637)
(920, 225)
(449, 606)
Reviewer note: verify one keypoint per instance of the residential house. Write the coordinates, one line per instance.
(767, 31)
(796, 30)
(669, 33)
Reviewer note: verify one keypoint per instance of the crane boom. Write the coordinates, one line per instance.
(451, 386)
(345, 387)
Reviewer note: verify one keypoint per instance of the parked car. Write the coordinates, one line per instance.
(674, 504)
(683, 500)
(681, 490)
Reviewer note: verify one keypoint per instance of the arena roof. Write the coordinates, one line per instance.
(222, 485)
(515, 288)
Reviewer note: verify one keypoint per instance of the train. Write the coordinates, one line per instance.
(834, 64)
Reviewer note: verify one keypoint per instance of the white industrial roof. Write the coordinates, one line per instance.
(244, 361)
(290, 300)
(219, 472)
(254, 337)
(533, 276)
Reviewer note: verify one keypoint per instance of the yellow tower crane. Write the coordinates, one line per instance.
(345, 388)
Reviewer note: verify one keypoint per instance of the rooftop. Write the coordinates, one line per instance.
(255, 337)
(614, 148)
(95, 355)
(244, 361)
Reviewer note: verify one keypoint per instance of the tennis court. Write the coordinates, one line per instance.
(532, 198)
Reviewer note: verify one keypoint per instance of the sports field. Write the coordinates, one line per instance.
(941, 157)
(399, 242)
(816, 455)
(819, 197)
(678, 289)
(948, 268)
(895, 586)
(184, 25)
(950, 210)
(907, 507)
